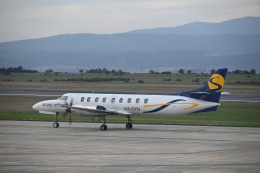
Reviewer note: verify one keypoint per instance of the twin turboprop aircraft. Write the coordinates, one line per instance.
(203, 99)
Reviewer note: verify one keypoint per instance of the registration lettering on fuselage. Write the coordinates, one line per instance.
(132, 109)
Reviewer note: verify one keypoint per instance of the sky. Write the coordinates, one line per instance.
(28, 19)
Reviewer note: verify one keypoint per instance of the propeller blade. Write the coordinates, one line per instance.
(68, 111)
(65, 115)
(70, 121)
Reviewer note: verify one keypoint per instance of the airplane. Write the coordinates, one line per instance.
(202, 99)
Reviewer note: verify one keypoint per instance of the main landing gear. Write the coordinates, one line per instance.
(128, 125)
(104, 126)
(56, 124)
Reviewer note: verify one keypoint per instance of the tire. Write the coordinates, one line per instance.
(129, 125)
(56, 125)
(103, 127)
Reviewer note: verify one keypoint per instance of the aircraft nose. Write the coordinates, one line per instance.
(36, 106)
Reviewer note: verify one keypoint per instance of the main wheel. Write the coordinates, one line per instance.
(129, 125)
(103, 127)
(56, 125)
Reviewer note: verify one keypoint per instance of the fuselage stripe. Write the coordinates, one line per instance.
(193, 105)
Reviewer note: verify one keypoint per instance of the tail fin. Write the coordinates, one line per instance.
(211, 91)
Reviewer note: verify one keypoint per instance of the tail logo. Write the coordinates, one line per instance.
(216, 82)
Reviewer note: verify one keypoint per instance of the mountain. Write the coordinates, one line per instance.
(242, 26)
(139, 42)
(139, 52)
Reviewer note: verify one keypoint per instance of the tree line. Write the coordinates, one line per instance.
(16, 70)
(20, 69)
(103, 71)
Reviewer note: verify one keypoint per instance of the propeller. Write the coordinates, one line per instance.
(68, 110)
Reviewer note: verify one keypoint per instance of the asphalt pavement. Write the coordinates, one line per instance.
(30, 146)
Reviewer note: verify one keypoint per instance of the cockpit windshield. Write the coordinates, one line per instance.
(63, 98)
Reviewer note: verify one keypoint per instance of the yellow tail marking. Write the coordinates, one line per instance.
(193, 105)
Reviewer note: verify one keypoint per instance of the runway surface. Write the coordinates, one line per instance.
(225, 98)
(29, 146)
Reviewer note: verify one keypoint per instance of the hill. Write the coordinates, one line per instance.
(139, 52)
(241, 26)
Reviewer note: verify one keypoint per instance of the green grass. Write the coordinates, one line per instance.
(152, 82)
(134, 78)
(19, 108)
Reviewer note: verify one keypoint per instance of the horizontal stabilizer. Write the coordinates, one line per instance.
(201, 93)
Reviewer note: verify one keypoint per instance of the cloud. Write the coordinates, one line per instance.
(40, 18)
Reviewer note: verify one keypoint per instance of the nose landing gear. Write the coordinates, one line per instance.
(56, 124)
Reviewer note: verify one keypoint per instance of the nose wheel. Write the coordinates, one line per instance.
(56, 125)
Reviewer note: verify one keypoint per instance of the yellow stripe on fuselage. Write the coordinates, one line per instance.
(193, 105)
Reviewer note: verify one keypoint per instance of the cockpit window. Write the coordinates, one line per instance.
(64, 98)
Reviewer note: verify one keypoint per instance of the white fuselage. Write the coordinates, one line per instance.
(124, 104)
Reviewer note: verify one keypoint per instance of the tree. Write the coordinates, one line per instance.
(99, 70)
(81, 71)
(189, 71)
(104, 70)
(181, 71)
(49, 71)
(19, 69)
(166, 72)
(237, 71)
(252, 71)
(213, 71)
(151, 72)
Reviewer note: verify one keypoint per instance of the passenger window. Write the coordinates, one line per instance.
(129, 100)
(96, 99)
(82, 99)
(121, 100)
(104, 99)
(145, 101)
(89, 98)
(137, 100)
(113, 100)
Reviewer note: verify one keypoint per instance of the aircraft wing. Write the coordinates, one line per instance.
(98, 109)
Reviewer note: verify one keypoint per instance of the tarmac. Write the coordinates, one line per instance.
(31, 146)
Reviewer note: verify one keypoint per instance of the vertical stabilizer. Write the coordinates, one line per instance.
(211, 91)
